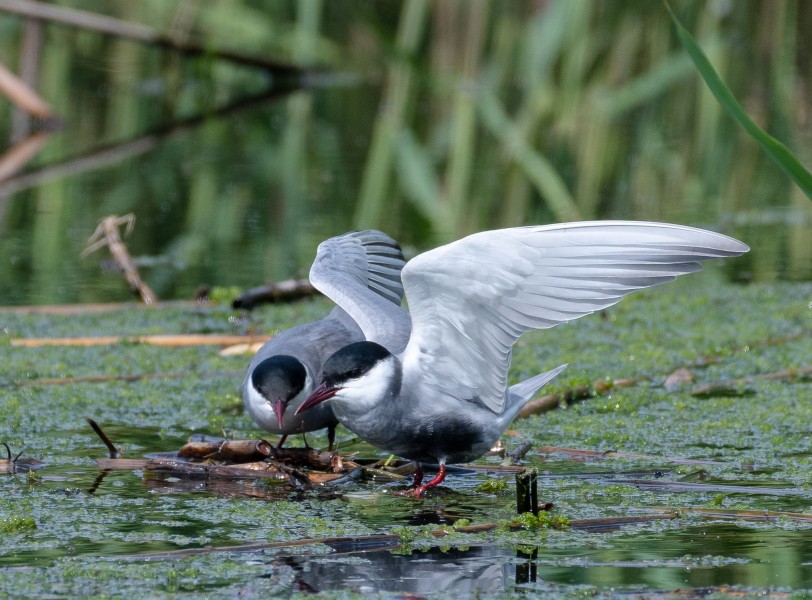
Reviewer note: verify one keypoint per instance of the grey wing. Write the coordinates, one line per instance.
(360, 272)
(471, 300)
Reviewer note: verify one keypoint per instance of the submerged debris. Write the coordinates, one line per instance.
(18, 464)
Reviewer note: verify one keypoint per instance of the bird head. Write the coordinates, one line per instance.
(361, 373)
(279, 379)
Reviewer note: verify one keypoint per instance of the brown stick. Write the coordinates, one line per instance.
(100, 157)
(23, 96)
(309, 457)
(136, 31)
(744, 515)
(612, 454)
(283, 291)
(98, 307)
(121, 464)
(519, 453)
(687, 486)
(16, 157)
(171, 341)
(600, 387)
(181, 468)
(114, 452)
(106, 378)
(28, 70)
(236, 451)
(787, 374)
(254, 470)
(553, 401)
(106, 234)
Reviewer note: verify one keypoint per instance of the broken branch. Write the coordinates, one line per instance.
(136, 31)
(170, 340)
(574, 452)
(16, 90)
(236, 451)
(114, 452)
(106, 234)
(283, 291)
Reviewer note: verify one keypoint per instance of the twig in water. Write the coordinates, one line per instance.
(120, 377)
(111, 449)
(576, 452)
(552, 401)
(12, 466)
(235, 451)
(726, 386)
(284, 291)
(11, 463)
(744, 515)
(165, 340)
(107, 234)
(519, 453)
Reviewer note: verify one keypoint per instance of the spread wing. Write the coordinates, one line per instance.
(360, 272)
(472, 299)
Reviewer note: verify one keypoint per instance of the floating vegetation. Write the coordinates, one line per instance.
(12, 525)
(676, 447)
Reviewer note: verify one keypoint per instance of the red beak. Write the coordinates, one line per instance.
(319, 395)
(279, 410)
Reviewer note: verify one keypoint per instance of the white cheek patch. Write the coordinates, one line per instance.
(258, 405)
(370, 388)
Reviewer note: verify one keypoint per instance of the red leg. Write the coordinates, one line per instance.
(438, 479)
(331, 437)
(418, 475)
(282, 441)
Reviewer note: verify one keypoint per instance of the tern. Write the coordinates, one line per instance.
(283, 371)
(444, 398)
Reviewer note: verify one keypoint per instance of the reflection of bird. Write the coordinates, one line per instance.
(478, 571)
(282, 373)
(445, 397)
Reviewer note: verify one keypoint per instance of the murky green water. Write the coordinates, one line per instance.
(71, 529)
(233, 183)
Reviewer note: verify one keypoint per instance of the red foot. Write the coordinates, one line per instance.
(418, 491)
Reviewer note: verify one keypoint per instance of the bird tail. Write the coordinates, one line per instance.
(528, 388)
(522, 392)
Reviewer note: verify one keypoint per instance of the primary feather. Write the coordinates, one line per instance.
(471, 300)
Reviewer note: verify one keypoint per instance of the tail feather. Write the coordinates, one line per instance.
(521, 393)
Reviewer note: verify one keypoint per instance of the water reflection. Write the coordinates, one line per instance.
(697, 557)
(463, 572)
(240, 195)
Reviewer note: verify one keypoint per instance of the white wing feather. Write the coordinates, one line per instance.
(471, 300)
(349, 268)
